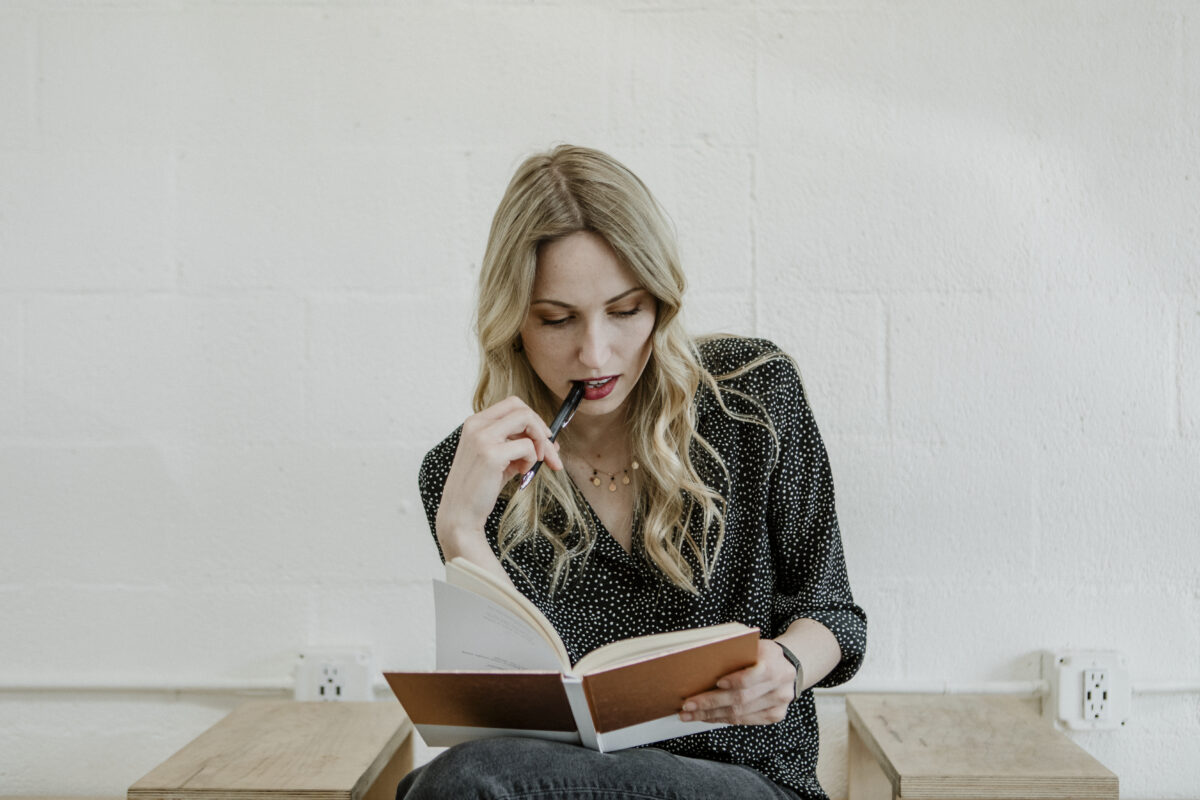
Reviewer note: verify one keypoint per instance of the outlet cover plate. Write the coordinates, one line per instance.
(335, 674)
(1069, 674)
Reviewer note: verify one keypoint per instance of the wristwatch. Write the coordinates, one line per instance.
(795, 662)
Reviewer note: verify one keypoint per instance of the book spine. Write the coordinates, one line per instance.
(581, 712)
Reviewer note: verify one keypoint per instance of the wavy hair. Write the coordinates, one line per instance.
(552, 195)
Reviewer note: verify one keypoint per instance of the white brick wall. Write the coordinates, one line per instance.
(91, 220)
(17, 50)
(12, 348)
(1189, 367)
(1055, 367)
(238, 244)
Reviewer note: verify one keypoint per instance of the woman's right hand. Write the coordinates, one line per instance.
(498, 443)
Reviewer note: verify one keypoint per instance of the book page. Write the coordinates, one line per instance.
(630, 650)
(473, 633)
(465, 574)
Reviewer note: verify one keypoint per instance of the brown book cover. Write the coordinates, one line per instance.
(517, 700)
(646, 690)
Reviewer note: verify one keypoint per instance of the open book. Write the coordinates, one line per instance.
(503, 670)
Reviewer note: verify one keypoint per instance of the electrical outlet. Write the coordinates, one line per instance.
(329, 684)
(327, 674)
(1095, 695)
(1086, 689)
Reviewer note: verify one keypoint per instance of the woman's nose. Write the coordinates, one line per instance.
(595, 348)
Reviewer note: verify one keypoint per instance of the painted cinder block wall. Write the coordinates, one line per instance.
(237, 251)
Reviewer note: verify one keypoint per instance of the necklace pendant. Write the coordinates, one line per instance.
(625, 479)
(612, 487)
(595, 479)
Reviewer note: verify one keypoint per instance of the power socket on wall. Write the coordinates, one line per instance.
(1087, 689)
(1096, 705)
(330, 674)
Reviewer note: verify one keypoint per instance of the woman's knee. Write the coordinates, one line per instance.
(479, 768)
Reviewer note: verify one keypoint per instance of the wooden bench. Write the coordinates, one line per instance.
(268, 749)
(967, 747)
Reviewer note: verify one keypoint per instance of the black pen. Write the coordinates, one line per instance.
(560, 421)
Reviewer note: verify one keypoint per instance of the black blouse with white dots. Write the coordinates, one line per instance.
(781, 559)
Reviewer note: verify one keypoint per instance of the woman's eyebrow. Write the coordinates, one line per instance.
(607, 302)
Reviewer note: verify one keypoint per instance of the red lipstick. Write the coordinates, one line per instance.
(599, 388)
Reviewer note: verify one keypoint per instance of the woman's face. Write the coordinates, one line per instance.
(589, 320)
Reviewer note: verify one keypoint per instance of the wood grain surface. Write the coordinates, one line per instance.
(271, 748)
(973, 747)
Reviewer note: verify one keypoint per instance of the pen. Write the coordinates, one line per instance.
(560, 421)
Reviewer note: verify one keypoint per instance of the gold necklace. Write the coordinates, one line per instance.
(612, 476)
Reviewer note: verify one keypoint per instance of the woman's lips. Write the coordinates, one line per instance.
(595, 390)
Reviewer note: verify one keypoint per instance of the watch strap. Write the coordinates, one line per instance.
(795, 662)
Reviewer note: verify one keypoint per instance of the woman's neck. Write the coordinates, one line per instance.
(606, 438)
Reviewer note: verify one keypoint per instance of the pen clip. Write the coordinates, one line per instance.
(570, 417)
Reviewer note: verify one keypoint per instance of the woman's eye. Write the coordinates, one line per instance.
(563, 320)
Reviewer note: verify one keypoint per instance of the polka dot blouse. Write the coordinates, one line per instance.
(781, 559)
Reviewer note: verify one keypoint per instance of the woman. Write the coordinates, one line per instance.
(691, 488)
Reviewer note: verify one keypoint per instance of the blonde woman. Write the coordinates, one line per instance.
(691, 488)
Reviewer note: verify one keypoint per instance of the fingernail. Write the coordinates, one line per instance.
(689, 706)
(722, 684)
(685, 717)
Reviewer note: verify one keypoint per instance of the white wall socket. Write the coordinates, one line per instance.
(1086, 689)
(335, 674)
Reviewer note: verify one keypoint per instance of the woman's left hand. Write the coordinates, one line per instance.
(757, 695)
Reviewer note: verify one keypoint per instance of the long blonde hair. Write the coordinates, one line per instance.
(553, 195)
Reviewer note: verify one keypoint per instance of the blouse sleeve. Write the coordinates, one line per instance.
(431, 480)
(806, 543)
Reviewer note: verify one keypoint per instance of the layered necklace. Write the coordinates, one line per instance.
(625, 478)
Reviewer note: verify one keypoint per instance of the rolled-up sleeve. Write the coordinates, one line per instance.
(431, 479)
(811, 581)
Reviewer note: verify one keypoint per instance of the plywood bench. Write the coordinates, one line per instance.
(279, 748)
(967, 747)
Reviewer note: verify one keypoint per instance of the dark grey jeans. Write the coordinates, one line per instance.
(514, 768)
